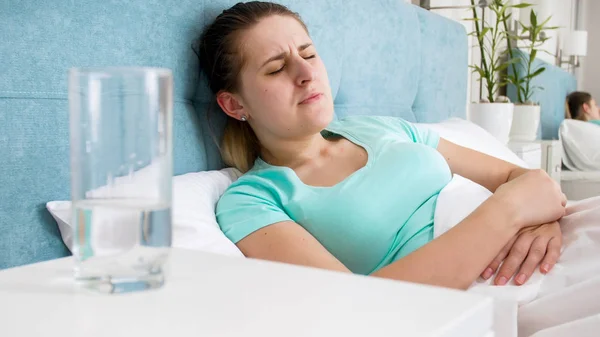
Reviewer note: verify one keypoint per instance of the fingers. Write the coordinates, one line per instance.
(493, 267)
(517, 255)
(552, 255)
(535, 256)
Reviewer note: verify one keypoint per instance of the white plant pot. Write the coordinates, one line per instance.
(495, 118)
(526, 120)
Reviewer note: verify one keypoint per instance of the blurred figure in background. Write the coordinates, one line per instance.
(581, 106)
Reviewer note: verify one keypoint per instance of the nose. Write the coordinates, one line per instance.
(305, 72)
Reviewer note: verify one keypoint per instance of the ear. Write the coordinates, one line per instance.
(587, 108)
(231, 105)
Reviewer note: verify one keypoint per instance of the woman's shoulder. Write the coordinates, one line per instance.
(262, 181)
(375, 127)
(372, 125)
(370, 121)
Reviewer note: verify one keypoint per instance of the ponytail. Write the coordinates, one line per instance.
(239, 147)
(568, 114)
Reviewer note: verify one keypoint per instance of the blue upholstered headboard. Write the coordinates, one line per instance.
(557, 84)
(384, 57)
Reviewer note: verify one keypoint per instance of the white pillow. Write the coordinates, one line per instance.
(472, 136)
(195, 196)
(581, 145)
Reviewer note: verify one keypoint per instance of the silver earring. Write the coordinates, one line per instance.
(243, 119)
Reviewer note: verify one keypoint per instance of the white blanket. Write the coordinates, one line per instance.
(566, 302)
(580, 145)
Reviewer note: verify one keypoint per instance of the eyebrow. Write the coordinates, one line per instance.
(282, 55)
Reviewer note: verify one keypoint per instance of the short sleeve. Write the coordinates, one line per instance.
(244, 209)
(417, 133)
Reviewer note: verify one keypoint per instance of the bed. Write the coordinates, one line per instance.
(557, 84)
(384, 57)
(578, 185)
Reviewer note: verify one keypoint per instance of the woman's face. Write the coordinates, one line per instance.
(284, 89)
(591, 110)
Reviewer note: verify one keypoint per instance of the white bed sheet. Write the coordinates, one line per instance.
(566, 301)
(579, 185)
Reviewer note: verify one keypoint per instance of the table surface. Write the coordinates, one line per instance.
(214, 295)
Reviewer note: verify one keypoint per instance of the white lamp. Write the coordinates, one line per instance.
(574, 45)
(479, 3)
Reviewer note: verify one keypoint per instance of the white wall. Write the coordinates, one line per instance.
(563, 14)
(589, 74)
(474, 57)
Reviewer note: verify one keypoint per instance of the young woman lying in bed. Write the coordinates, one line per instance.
(356, 194)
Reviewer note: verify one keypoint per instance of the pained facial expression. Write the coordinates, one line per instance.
(284, 89)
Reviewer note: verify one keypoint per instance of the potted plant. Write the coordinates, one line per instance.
(526, 116)
(493, 113)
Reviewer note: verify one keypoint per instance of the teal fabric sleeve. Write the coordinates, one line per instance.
(246, 208)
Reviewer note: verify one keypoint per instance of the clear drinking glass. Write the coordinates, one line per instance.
(121, 171)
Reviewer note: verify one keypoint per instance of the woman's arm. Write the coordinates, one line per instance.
(453, 260)
(485, 170)
(456, 258)
(289, 242)
(523, 252)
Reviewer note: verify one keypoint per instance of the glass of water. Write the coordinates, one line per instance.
(121, 171)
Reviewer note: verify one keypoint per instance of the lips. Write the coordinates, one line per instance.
(314, 97)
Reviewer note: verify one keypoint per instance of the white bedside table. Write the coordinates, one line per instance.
(213, 295)
(552, 158)
(541, 154)
(529, 152)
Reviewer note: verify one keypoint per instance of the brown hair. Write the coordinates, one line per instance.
(574, 105)
(221, 62)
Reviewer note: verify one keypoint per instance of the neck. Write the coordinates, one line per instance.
(293, 153)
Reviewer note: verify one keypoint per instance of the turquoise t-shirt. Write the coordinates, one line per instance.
(595, 121)
(377, 215)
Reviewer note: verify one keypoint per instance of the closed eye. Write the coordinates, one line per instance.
(282, 67)
(277, 71)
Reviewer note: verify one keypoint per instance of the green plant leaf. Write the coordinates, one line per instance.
(499, 67)
(545, 21)
(533, 18)
(536, 73)
(521, 5)
(478, 70)
(524, 29)
(484, 31)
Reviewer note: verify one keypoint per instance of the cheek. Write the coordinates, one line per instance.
(270, 98)
(277, 89)
(322, 72)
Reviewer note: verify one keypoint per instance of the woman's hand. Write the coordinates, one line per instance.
(532, 198)
(532, 246)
